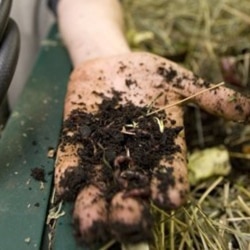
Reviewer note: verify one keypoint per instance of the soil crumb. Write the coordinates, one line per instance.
(38, 174)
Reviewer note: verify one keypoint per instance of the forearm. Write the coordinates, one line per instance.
(87, 35)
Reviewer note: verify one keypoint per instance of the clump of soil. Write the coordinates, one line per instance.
(127, 142)
(38, 174)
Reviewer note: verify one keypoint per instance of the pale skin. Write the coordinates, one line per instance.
(93, 34)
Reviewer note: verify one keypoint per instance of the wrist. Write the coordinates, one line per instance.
(91, 29)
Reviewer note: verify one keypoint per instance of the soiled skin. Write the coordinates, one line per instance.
(102, 76)
(151, 79)
(105, 75)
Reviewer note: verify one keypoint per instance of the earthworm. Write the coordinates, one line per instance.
(105, 66)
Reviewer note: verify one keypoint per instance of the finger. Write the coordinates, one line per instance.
(67, 161)
(169, 184)
(90, 216)
(130, 219)
(221, 101)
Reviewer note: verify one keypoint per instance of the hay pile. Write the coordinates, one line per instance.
(196, 33)
(201, 35)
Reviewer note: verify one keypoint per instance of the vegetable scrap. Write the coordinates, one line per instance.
(204, 164)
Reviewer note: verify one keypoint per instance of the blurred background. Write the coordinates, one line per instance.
(34, 19)
(210, 37)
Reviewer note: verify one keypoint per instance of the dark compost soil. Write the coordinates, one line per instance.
(38, 174)
(122, 138)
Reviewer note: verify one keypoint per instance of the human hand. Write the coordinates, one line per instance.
(139, 79)
(112, 162)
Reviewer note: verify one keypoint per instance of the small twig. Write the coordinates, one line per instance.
(236, 13)
(243, 190)
(176, 220)
(235, 225)
(108, 245)
(124, 131)
(239, 155)
(186, 99)
(172, 231)
(55, 212)
(151, 104)
(243, 205)
(238, 219)
(210, 189)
